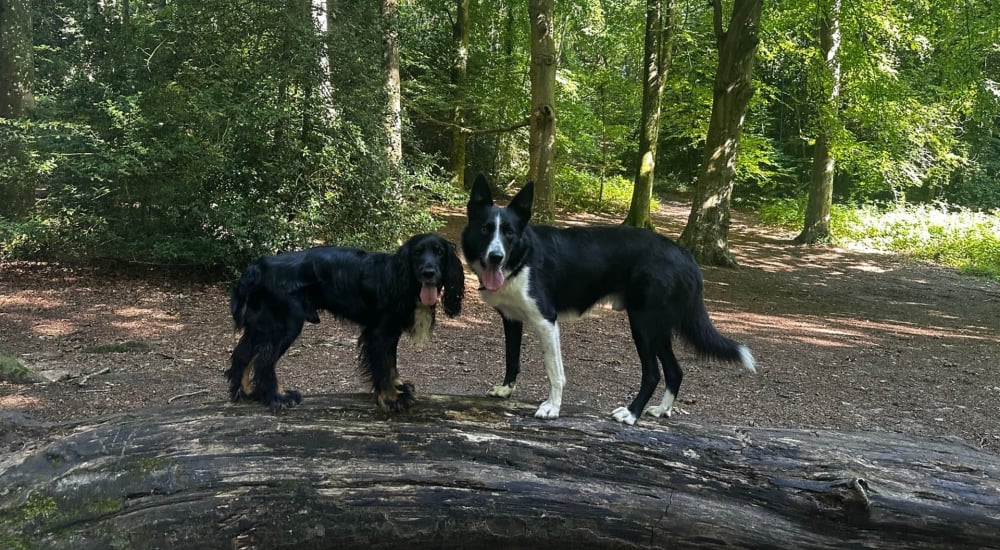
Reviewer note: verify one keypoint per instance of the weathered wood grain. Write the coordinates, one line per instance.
(483, 473)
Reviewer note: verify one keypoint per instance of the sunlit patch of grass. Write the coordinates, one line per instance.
(954, 236)
(14, 371)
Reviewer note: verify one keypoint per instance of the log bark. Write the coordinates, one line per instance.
(479, 472)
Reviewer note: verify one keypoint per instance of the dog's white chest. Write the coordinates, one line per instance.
(513, 299)
(423, 320)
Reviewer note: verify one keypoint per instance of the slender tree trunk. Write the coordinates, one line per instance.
(659, 32)
(390, 64)
(542, 139)
(706, 234)
(506, 145)
(321, 14)
(460, 33)
(817, 222)
(17, 68)
(17, 98)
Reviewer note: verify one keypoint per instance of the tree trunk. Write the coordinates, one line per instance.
(322, 16)
(459, 70)
(706, 234)
(17, 98)
(659, 33)
(817, 221)
(542, 139)
(479, 472)
(390, 65)
(17, 66)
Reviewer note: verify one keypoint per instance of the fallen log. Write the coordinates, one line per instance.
(481, 472)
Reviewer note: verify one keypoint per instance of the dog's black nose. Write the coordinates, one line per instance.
(494, 258)
(428, 274)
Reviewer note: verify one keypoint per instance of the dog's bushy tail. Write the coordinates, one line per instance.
(241, 292)
(698, 330)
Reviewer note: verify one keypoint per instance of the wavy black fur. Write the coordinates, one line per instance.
(381, 292)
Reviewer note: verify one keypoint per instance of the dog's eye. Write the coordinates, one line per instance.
(507, 230)
(487, 229)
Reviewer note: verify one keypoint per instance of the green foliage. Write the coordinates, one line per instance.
(957, 237)
(210, 148)
(12, 370)
(583, 191)
(954, 236)
(195, 132)
(786, 213)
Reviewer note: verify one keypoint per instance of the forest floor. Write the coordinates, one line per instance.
(844, 339)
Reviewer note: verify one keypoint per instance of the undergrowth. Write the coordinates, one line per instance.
(959, 237)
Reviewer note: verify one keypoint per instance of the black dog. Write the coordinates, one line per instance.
(387, 294)
(538, 274)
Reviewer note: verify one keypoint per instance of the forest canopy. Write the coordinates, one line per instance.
(205, 133)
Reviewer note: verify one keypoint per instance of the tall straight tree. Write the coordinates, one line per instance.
(17, 99)
(542, 138)
(459, 70)
(390, 64)
(17, 68)
(817, 222)
(321, 19)
(659, 34)
(706, 234)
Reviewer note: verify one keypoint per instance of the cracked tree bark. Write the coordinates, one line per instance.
(479, 472)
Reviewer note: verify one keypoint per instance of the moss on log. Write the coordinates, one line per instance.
(480, 472)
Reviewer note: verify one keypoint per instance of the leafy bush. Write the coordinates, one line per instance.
(786, 213)
(954, 236)
(583, 191)
(12, 370)
(213, 151)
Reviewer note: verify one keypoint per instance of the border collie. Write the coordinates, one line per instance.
(387, 294)
(539, 275)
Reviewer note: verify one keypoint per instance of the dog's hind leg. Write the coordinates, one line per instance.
(266, 388)
(242, 356)
(512, 331)
(548, 336)
(672, 375)
(644, 331)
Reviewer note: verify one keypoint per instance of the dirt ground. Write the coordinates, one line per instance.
(844, 339)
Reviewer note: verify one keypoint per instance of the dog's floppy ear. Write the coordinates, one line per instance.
(454, 282)
(521, 203)
(481, 196)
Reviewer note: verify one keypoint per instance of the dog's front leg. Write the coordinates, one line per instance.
(378, 358)
(548, 337)
(512, 331)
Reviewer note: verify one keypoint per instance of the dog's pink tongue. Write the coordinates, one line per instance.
(492, 278)
(428, 295)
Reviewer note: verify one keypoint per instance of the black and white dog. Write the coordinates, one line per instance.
(539, 275)
(387, 294)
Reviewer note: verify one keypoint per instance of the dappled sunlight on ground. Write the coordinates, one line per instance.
(844, 339)
(18, 401)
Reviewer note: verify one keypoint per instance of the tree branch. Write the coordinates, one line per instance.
(462, 129)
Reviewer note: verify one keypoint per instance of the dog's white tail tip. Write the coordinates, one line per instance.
(747, 359)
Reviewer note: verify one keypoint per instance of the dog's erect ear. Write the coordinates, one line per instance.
(454, 282)
(521, 203)
(481, 195)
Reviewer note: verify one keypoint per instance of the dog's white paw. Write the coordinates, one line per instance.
(501, 390)
(623, 415)
(547, 410)
(659, 410)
